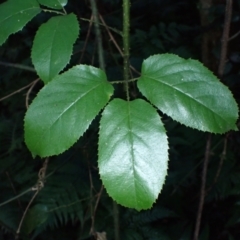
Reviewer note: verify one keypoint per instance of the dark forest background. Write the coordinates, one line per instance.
(73, 204)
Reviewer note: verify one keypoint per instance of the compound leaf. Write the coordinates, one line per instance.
(188, 92)
(133, 153)
(55, 4)
(64, 108)
(53, 44)
(14, 15)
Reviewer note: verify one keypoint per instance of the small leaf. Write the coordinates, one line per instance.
(14, 15)
(64, 108)
(36, 216)
(133, 153)
(55, 4)
(53, 44)
(188, 92)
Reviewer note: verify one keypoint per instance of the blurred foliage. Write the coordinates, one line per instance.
(64, 207)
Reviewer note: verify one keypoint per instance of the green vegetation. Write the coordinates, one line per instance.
(95, 138)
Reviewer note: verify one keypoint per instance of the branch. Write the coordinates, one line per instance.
(38, 187)
(222, 158)
(19, 90)
(126, 46)
(116, 221)
(203, 186)
(98, 33)
(234, 36)
(20, 66)
(225, 38)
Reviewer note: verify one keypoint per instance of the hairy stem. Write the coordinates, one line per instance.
(126, 45)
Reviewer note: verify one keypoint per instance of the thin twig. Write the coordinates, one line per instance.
(225, 38)
(14, 190)
(110, 35)
(92, 230)
(194, 168)
(203, 185)
(234, 36)
(113, 29)
(87, 37)
(116, 221)
(98, 198)
(24, 214)
(102, 66)
(17, 91)
(29, 91)
(68, 205)
(222, 158)
(38, 187)
(20, 66)
(97, 201)
(98, 34)
(16, 197)
(114, 41)
(126, 45)
(204, 9)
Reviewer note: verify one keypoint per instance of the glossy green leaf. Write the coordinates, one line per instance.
(53, 44)
(188, 92)
(36, 216)
(64, 108)
(14, 15)
(133, 153)
(55, 4)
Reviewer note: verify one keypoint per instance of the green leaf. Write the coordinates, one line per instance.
(14, 15)
(188, 92)
(55, 4)
(36, 216)
(53, 44)
(133, 153)
(64, 108)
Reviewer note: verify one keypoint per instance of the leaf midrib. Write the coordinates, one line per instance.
(75, 102)
(132, 151)
(19, 12)
(170, 86)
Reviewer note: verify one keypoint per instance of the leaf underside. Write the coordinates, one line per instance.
(53, 44)
(64, 108)
(55, 4)
(188, 92)
(133, 153)
(14, 15)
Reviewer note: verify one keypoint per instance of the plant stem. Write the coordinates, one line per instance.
(204, 9)
(225, 38)
(116, 221)
(126, 46)
(203, 187)
(98, 34)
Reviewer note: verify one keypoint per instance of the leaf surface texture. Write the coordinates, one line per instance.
(133, 153)
(53, 44)
(14, 15)
(64, 108)
(188, 92)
